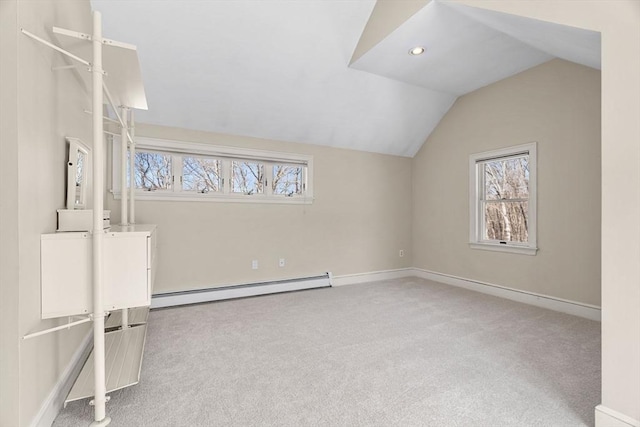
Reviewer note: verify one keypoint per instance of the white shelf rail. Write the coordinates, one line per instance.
(57, 328)
(54, 47)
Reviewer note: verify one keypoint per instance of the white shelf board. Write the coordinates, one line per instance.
(123, 350)
(137, 316)
(119, 61)
(134, 228)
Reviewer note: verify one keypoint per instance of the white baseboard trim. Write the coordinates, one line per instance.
(238, 291)
(606, 417)
(53, 403)
(587, 311)
(374, 276)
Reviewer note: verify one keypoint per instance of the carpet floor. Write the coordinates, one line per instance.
(405, 352)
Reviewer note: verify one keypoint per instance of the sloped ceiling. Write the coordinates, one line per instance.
(280, 69)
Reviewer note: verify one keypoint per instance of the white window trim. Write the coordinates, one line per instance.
(475, 215)
(180, 148)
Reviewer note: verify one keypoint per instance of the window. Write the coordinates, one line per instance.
(153, 171)
(247, 177)
(287, 180)
(201, 174)
(170, 170)
(503, 200)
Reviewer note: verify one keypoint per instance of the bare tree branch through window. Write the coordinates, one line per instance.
(506, 199)
(153, 171)
(201, 174)
(248, 177)
(287, 180)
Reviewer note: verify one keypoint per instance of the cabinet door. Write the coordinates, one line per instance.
(65, 272)
(125, 271)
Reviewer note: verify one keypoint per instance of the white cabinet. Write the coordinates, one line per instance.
(129, 263)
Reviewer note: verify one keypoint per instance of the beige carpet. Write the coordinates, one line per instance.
(406, 352)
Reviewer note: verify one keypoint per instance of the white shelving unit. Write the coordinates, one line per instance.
(90, 274)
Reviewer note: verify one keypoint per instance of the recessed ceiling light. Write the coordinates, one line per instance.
(418, 50)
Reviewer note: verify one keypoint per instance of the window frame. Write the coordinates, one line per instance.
(179, 149)
(476, 205)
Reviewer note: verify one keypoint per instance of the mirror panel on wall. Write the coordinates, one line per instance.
(78, 168)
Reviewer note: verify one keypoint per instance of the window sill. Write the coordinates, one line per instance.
(525, 250)
(224, 198)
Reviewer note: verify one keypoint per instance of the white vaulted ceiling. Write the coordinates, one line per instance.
(279, 69)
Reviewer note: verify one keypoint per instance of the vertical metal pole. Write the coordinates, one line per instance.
(132, 172)
(125, 318)
(132, 186)
(100, 418)
(123, 167)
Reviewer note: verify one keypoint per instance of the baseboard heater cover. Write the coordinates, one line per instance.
(171, 299)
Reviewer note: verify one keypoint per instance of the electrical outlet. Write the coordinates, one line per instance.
(401, 253)
(254, 264)
(281, 262)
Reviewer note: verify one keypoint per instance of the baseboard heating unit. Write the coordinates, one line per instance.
(239, 291)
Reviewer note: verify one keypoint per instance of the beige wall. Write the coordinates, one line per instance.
(39, 108)
(9, 354)
(556, 104)
(359, 220)
(619, 23)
